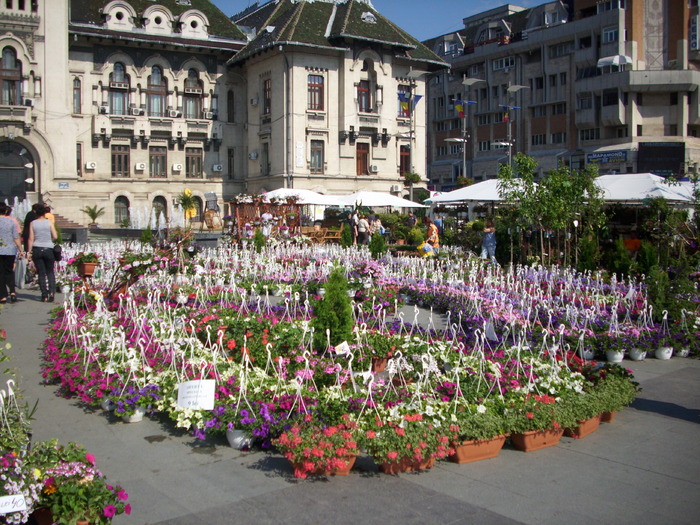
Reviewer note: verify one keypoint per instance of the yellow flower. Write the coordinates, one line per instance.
(36, 473)
(187, 192)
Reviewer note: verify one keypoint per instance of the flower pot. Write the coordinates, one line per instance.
(585, 427)
(587, 353)
(663, 352)
(42, 516)
(607, 417)
(86, 269)
(614, 356)
(401, 241)
(536, 439)
(405, 465)
(637, 354)
(239, 439)
(477, 449)
(344, 471)
(136, 416)
(683, 352)
(107, 404)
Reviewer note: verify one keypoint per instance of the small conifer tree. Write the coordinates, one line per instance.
(333, 312)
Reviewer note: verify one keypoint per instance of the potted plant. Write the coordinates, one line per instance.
(84, 263)
(537, 421)
(614, 385)
(479, 431)
(94, 213)
(131, 402)
(315, 449)
(401, 442)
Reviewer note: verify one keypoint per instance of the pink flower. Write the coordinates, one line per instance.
(109, 511)
(127, 508)
(392, 455)
(122, 495)
(90, 458)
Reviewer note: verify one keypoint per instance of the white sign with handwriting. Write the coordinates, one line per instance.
(197, 395)
(12, 503)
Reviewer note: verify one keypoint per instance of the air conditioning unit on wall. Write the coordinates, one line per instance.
(395, 188)
(90, 165)
(253, 155)
(140, 166)
(177, 167)
(374, 168)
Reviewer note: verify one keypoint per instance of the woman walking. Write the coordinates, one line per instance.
(10, 246)
(42, 234)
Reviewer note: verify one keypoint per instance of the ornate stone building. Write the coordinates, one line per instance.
(123, 104)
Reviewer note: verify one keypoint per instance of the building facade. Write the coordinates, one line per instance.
(607, 82)
(124, 104)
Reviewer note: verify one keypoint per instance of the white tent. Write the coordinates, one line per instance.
(636, 187)
(486, 191)
(305, 197)
(376, 199)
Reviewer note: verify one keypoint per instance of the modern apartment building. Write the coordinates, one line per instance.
(123, 104)
(606, 82)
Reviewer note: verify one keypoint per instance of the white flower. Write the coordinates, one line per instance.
(481, 409)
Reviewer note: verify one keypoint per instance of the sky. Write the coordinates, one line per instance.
(422, 19)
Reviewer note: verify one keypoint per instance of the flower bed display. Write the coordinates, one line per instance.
(504, 362)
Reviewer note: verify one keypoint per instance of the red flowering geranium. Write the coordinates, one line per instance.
(312, 448)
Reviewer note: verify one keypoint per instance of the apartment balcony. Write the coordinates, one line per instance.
(586, 118)
(613, 115)
(18, 115)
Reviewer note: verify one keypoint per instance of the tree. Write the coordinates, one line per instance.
(333, 312)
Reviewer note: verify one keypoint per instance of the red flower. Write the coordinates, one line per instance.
(530, 415)
(392, 455)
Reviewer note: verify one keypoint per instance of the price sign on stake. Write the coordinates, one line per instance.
(12, 503)
(197, 395)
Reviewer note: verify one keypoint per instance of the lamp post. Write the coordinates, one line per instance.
(511, 141)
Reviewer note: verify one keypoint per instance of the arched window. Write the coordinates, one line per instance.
(118, 90)
(230, 113)
(11, 76)
(160, 209)
(156, 93)
(192, 101)
(121, 211)
(77, 96)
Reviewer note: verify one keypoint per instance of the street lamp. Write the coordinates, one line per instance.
(463, 141)
(511, 141)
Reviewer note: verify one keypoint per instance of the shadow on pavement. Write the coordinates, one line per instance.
(667, 409)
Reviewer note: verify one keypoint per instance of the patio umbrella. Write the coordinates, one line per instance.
(481, 191)
(637, 187)
(376, 199)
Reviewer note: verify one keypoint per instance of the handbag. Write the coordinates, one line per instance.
(57, 252)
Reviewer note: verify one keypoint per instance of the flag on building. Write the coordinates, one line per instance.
(404, 100)
(506, 118)
(416, 99)
(459, 107)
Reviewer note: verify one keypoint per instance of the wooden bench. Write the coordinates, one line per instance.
(334, 235)
(316, 235)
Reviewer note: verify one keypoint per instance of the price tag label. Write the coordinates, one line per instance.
(12, 503)
(197, 395)
(342, 349)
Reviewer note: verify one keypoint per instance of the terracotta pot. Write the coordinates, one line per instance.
(42, 516)
(406, 465)
(607, 417)
(536, 439)
(86, 269)
(585, 427)
(477, 449)
(349, 462)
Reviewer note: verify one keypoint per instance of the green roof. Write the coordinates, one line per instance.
(89, 12)
(307, 23)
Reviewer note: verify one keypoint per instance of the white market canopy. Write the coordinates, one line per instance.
(305, 197)
(637, 187)
(376, 199)
(486, 191)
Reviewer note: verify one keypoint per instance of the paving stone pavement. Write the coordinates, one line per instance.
(643, 468)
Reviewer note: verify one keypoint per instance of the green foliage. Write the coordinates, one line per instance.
(647, 257)
(346, 236)
(411, 178)
(419, 195)
(93, 212)
(259, 240)
(658, 284)
(415, 236)
(59, 235)
(617, 259)
(377, 245)
(333, 312)
(587, 254)
(389, 220)
(399, 231)
(125, 223)
(147, 235)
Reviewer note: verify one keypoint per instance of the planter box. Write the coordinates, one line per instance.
(477, 449)
(536, 439)
(585, 427)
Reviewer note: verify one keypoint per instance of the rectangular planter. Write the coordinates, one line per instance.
(585, 427)
(477, 449)
(536, 439)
